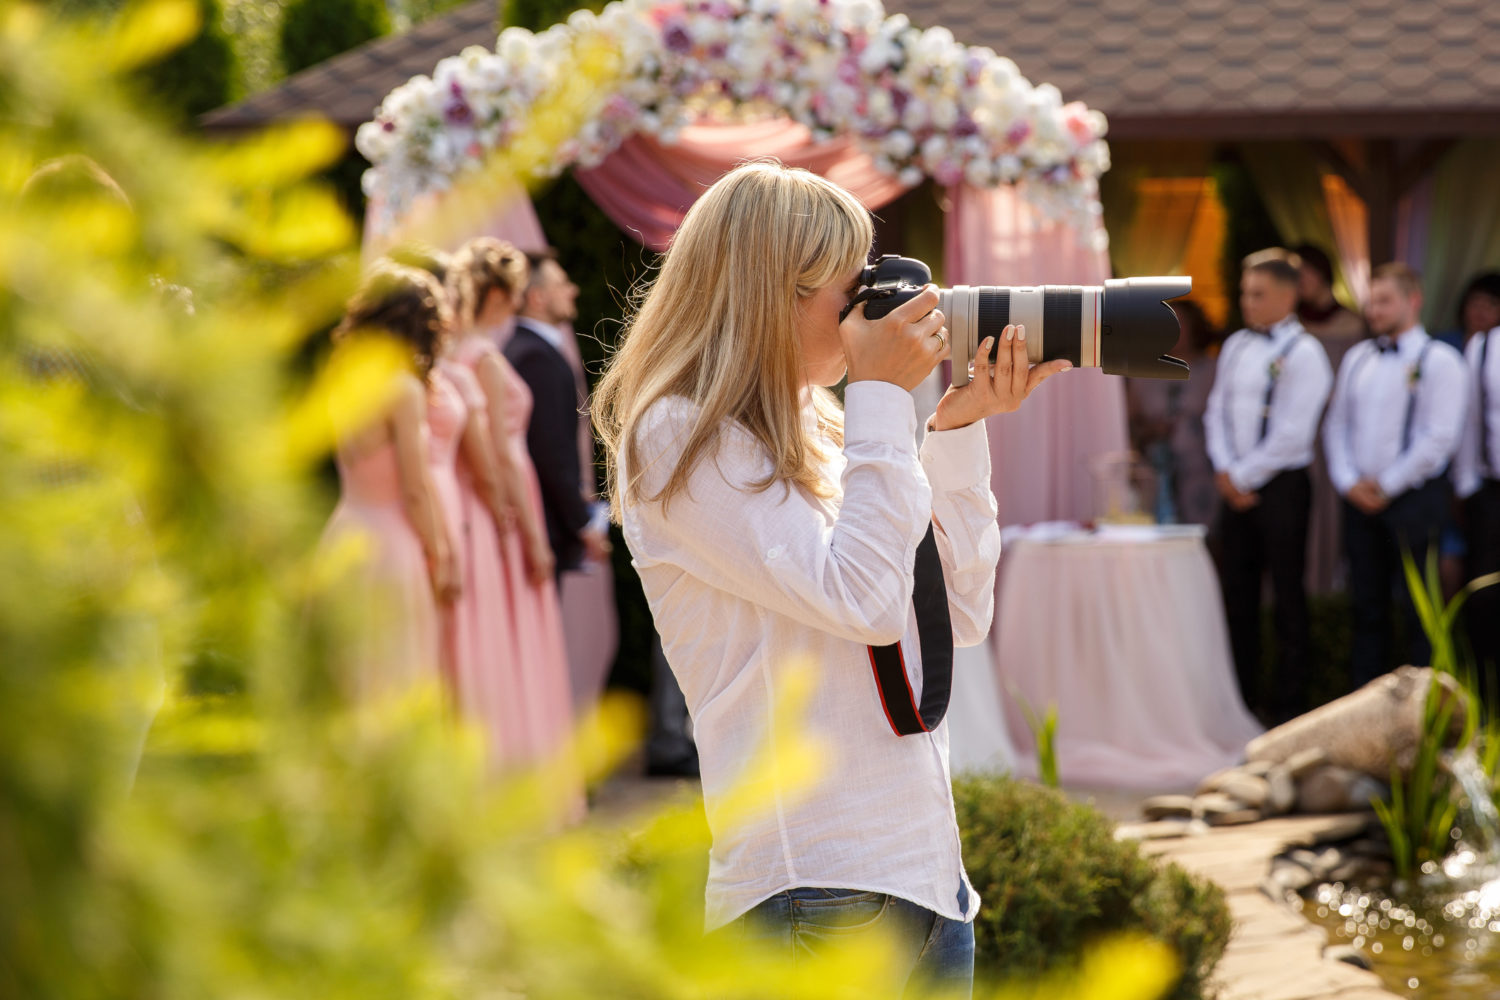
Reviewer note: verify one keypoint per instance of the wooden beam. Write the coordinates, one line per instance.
(1419, 163)
(1380, 203)
(1335, 161)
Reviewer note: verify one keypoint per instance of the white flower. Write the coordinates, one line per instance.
(786, 57)
(898, 144)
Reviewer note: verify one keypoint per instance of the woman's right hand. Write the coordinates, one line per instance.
(443, 569)
(901, 347)
(540, 563)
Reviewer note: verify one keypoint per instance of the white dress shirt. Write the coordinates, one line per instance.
(747, 586)
(1380, 393)
(1236, 409)
(1470, 466)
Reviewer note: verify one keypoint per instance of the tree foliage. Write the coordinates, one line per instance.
(315, 30)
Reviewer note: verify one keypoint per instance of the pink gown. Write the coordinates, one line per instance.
(545, 693)
(394, 641)
(487, 679)
(446, 417)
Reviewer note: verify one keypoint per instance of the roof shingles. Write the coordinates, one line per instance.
(1287, 68)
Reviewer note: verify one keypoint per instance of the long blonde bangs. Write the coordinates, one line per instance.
(718, 326)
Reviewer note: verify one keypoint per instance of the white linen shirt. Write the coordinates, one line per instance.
(745, 586)
(1236, 404)
(1367, 419)
(1470, 468)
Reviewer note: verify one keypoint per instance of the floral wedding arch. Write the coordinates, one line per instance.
(920, 103)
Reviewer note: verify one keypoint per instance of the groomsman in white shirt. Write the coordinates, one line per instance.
(1260, 424)
(1393, 428)
(1476, 475)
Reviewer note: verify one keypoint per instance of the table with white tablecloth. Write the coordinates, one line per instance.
(1122, 629)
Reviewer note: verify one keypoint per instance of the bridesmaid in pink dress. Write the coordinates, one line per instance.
(487, 680)
(496, 275)
(389, 502)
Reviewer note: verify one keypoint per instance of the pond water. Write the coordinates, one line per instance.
(1445, 947)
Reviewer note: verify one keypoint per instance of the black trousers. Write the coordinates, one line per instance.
(1482, 611)
(1373, 544)
(1271, 536)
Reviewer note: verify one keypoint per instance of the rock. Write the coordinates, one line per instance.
(1303, 761)
(1325, 862)
(1259, 768)
(1236, 784)
(1162, 829)
(1234, 818)
(1213, 803)
(1349, 956)
(1367, 731)
(1290, 876)
(1167, 807)
(1332, 789)
(1282, 790)
(1369, 847)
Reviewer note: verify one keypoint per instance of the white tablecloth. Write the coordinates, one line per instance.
(1123, 629)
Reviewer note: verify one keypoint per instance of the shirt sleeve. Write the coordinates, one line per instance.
(1437, 422)
(1214, 434)
(1341, 468)
(775, 547)
(957, 463)
(1466, 463)
(1301, 391)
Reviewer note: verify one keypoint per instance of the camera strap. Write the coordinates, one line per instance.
(935, 636)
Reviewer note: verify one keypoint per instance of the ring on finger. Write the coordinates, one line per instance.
(942, 340)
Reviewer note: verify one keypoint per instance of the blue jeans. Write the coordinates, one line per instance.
(936, 954)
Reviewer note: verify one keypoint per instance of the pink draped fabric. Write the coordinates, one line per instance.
(646, 187)
(1040, 453)
(508, 216)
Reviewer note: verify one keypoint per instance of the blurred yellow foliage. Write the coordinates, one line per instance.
(159, 444)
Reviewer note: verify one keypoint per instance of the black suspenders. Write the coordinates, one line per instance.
(1411, 399)
(1265, 406)
(1484, 416)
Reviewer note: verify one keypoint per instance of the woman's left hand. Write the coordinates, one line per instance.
(994, 388)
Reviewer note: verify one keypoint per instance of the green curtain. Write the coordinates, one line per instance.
(1463, 235)
(1290, 183)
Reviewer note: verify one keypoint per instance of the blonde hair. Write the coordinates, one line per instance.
(719, 326)
(482, 265)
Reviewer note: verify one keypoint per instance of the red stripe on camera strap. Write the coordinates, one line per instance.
(935, 635)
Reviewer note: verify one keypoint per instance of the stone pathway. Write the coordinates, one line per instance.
(1273, 953)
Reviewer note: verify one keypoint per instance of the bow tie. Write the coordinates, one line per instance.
(1386, 345)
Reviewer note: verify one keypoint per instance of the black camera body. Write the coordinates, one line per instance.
(1123, 327)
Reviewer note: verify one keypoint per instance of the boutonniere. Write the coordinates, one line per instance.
(1274, 369)
(1414, 375)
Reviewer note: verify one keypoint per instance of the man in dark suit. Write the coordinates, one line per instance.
(538, 353)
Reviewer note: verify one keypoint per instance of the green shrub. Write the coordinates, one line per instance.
(315, 30)
(1054, 880)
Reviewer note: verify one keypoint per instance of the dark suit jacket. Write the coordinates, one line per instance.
(552, 439)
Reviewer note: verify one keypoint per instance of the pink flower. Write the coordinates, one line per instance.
(1076, 119)
(1018, 133)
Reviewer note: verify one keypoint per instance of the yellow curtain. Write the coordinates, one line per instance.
(1287, 176)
